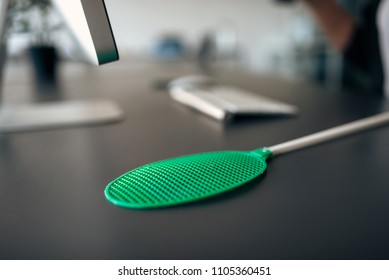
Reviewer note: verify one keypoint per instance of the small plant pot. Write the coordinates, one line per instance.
(44, 61)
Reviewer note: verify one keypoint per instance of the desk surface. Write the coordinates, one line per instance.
(326, 202)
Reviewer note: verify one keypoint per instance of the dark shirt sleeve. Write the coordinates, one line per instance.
(356, 8)
(362, 66)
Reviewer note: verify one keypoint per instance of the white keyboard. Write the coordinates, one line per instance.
(223, 101)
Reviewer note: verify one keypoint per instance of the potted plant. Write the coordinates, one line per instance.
(34, 17)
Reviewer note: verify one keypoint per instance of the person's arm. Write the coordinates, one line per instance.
(336, 22)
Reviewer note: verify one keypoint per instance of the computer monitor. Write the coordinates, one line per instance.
(89, 23)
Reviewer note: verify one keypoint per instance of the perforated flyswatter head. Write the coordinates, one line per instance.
(194, 177)
(186, 179)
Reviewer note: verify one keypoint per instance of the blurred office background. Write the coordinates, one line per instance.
(258, 36)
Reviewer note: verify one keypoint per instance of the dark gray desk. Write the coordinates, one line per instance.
(325, 202)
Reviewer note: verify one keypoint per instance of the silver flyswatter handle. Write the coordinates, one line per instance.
(331, 134)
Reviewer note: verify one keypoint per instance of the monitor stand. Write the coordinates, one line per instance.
(54, 115)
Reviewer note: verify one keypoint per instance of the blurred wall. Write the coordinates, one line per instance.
(264, 29)
(260, 36)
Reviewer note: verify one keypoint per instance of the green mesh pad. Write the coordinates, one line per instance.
(185, 179)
